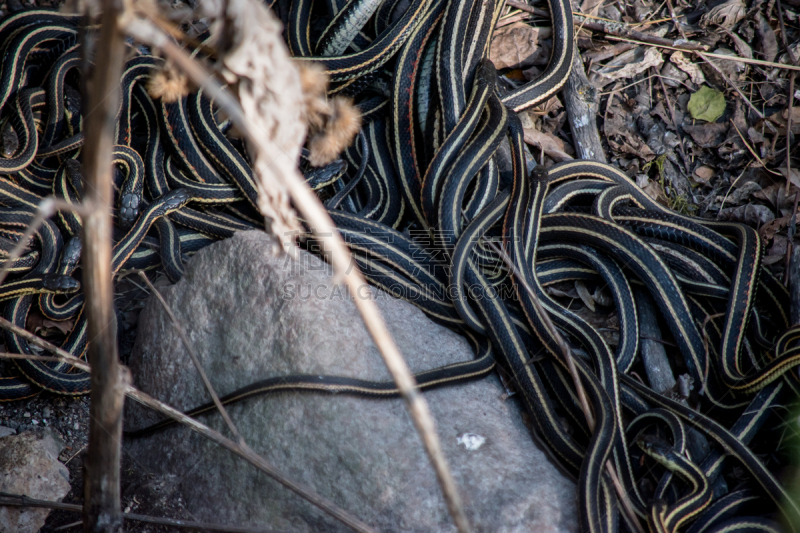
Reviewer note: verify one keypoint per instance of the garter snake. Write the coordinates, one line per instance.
(663, 517)
(423, 193)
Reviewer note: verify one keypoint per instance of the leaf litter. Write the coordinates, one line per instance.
(707, 139)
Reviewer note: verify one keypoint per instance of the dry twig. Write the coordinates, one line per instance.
(20, 500)
(101, 510)
(616, 29)
(582, 101)
(723, 57)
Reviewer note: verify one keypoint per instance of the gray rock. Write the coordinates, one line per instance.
(29, 465)
(251, 315)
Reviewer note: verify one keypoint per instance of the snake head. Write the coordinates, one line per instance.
(129, 208)
(60, 284)
(486, 72)
(539, 173)
(176, 199)
(656, 448)
(72, 252)
(318, 177)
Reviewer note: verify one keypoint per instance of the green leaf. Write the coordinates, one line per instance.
(707, 104)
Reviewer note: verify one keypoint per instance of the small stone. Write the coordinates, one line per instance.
(6, 431)
(76, 427)
(35, 422)
(27, 415)
(46, 412)
(30, 466)
(471, 441)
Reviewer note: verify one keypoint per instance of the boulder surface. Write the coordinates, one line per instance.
(251, 315)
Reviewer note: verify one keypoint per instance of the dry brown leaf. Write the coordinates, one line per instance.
(755, 136)
(770, 194)
(779, 120)
(733, 69)
(754, 214)
(630, 143)
(707, 135)
(772, 259)
(662, 112)
(785, 58)
(703, 174)
(602, 298)
(36, 323)
(725, 15)
(794, 175)
(629, 64)
(558, 293)
(743, 49)
(692, 69)
(652, 188)
(583, 294)
(553, 147)
(769, 229)
(273, 104)
(516, 45)
(551, 105)
(588, 6)
(767, 42)
(621, 131)
(795, 115)
(778, 248)
(776, 195)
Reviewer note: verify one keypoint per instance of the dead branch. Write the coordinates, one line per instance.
(582, 103)
(654, 355)
(101, 510)
(737, 59)
(20, 500)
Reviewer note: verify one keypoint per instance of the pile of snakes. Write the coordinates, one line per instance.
(437, 203)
